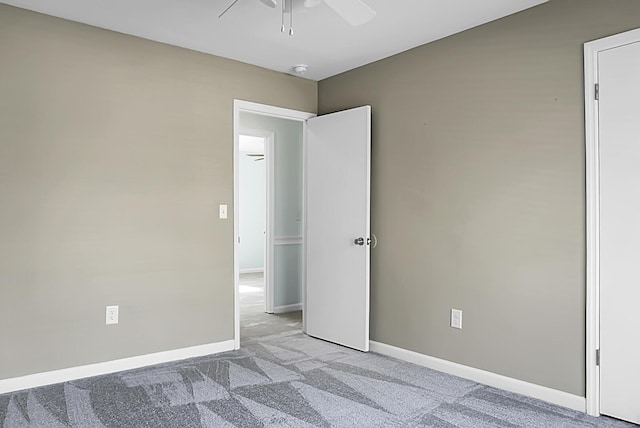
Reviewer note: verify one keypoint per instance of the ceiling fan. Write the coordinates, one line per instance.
(258, 156)
(354, 12)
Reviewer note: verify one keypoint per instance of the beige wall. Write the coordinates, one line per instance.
(478, 190)
(114, 154)
(116, 151)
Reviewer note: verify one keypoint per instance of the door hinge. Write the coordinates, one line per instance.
(597, 357)
(597, 94)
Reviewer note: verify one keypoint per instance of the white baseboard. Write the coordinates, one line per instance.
(64, 375)
(287, 308)
(544, 393)
(252, 270)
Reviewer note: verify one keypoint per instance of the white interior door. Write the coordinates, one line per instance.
(337, 215)
(619, 124)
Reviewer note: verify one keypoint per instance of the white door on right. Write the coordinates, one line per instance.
(619, 124)
(338, 157)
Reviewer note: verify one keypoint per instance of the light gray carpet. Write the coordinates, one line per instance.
(285, 379)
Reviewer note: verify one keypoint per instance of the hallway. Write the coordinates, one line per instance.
(254, 322)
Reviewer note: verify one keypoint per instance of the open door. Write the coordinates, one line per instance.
(618, 109)
(337, 160)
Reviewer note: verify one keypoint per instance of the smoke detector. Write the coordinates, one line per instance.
(300, 68)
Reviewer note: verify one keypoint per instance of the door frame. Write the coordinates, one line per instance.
(592, 144)
(268, 217)
(282, 113)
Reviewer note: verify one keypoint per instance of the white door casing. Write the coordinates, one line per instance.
(613, 237)
(337, 182)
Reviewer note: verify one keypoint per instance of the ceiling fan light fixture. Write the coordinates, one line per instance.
(300, 68)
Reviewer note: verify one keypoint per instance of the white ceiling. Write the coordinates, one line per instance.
(251, 144)
(250, 32)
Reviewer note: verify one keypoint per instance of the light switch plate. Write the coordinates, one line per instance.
(223, 212)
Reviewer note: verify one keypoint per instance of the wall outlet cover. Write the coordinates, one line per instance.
(112, 315)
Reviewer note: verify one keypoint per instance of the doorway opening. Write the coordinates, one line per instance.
(253, 165)
(318, 224)
(268, 156)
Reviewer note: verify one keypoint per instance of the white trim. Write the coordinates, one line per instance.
(253, 270)
(288, 240)
(287, 308)
(236, 226)
(80, 372)
(304, 226)
(550, 395)
(593, 233)
(273, 111)
(592, 145)
(368, 234)
(266, 110)
(270, 277)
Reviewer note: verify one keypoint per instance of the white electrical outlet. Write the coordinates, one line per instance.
(112, 315)
(456, 318)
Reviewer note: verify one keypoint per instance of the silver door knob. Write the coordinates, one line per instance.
(359, 241)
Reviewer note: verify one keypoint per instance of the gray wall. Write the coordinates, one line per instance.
(478, 190)
(287, 194)
(114, 154)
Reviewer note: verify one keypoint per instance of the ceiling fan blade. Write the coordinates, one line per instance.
(270, 3)
(259, 159)
(355, 12)
(227, 9)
